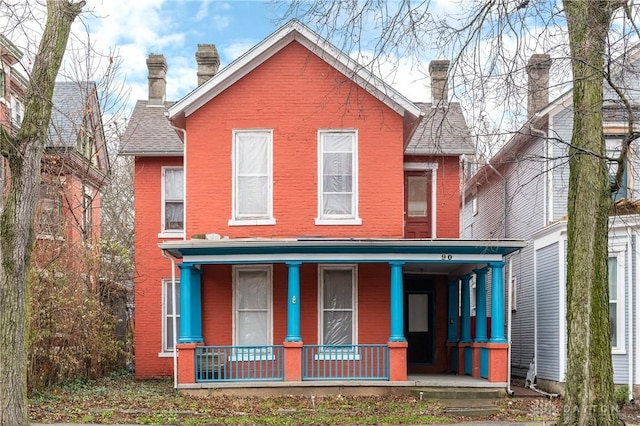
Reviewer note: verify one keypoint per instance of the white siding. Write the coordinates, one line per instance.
(548, 320)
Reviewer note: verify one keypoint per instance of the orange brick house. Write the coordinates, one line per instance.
(297, 220)
(75, 165)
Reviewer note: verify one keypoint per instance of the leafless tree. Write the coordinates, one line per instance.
(489, 42)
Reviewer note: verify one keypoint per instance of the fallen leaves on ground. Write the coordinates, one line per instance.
(121, 400)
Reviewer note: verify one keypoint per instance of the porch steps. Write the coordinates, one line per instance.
(469, 402)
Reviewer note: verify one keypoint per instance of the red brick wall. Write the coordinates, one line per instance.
(295, 93)
(151, 268)
(447, 193)
(373, 304)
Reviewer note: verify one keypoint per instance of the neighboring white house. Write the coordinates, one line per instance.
(521, 193)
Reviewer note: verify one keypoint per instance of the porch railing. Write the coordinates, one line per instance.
(239, 363)
(345, 362)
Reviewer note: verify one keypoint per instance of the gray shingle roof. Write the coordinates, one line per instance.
(442, 131)
(149, 132)
(71, 106)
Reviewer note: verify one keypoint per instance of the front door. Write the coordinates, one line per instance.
(417, 196)
(419, 314)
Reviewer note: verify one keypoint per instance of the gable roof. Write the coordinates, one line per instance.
(149, 133)
(293, 30)
(76, 111)
(442, 131)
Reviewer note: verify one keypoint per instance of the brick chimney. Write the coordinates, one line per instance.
(439, 72)
(538, 83)
(157, 66)
(208, 62)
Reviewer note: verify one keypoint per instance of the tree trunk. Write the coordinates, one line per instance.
(24, 152)
(589, 398)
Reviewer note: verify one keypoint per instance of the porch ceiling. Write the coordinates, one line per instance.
(442, 256)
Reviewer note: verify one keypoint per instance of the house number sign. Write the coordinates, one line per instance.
(447, 256)
(294, 300)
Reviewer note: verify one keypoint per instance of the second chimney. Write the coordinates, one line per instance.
(439, 72)
(538, 83)
(157, 66)
(208, 62)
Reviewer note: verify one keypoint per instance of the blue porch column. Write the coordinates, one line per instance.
(452, 330)
(190, 304)
(497, 303)
(396, 308)
(466, 310)
(481, 305)
(293, 304)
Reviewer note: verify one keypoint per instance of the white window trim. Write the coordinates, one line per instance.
(269, 270)
(474, 204)
(354, 218)
(251, 221)
(165, 352)
(621, 307)
(433, 167)
(171, 233)
(354, 309)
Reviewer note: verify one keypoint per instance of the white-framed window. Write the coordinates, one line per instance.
(172, 201)
(473, 295)
(169, 312)
(338, 177)
(252, 308)
(616, 302)
(252, 178)
(337, 299)
(17, 111)
(474, 203)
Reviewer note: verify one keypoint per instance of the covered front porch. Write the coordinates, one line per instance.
(312, 353)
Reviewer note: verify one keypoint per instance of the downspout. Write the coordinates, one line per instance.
(509, 308)
(630, 314)
(463, 180)
(173, 318)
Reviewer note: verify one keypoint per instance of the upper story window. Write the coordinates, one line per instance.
(614, 146)
(338, 178)
(252, 178)
(49, 217)
(172, 200)
(87, 216)
(17, 111)
(3, 83)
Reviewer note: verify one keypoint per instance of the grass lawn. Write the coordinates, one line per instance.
(121, 399)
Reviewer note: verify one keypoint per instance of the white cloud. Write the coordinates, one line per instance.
(203, 10)
(237, 49)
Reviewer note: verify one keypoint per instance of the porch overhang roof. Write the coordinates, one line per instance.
(353, 250)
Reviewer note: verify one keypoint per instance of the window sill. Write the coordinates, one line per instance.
(337, 357)
(620, 351)
(166, 234)
(251, 222)
(165, 354)
(351, 221)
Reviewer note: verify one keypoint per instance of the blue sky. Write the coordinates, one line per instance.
(175, 28)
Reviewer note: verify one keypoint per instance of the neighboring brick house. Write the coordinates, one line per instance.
(522, 193)
(75, 165)
(297, 219)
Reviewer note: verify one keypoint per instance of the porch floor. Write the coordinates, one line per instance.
(344, 387)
